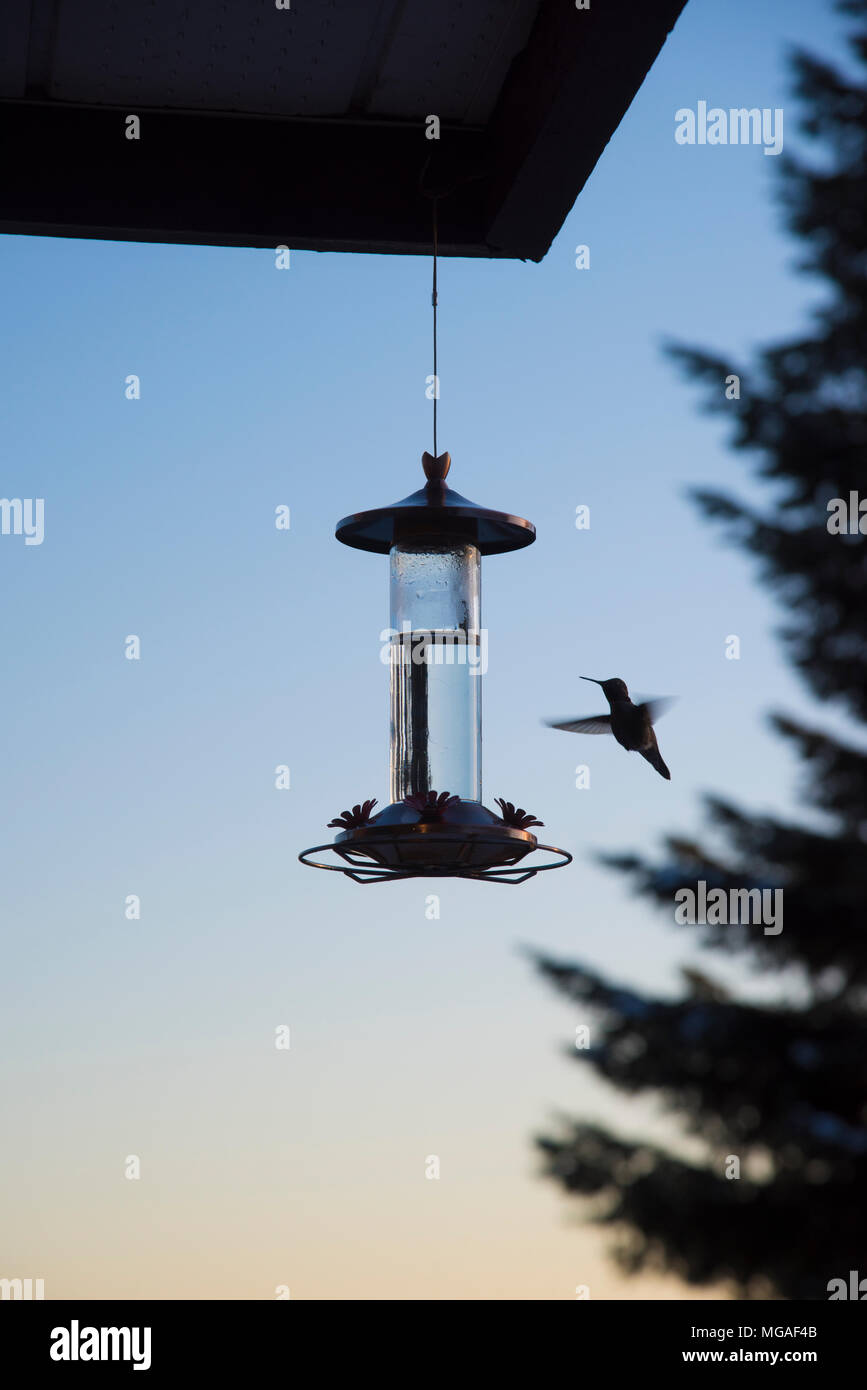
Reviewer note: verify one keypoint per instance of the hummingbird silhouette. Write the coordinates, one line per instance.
(631, 725)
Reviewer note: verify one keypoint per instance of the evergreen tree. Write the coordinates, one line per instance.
(781, 1088)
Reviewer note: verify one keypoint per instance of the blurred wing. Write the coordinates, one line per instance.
(656, 708)
(598, 724)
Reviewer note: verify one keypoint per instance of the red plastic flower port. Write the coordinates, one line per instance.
(354, 819)
(517, 819)
(430, 805)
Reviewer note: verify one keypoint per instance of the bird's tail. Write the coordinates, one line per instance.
(654, 757)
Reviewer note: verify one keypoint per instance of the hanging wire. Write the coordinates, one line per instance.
(444, 192)
(433, 300)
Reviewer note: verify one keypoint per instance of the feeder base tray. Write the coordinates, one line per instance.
(491, 853)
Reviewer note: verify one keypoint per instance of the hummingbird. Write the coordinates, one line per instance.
(631, 725)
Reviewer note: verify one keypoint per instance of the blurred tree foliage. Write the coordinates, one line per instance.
(783, 1087)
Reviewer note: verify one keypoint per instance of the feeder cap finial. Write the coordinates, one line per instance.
(435, 469)
(437, 513)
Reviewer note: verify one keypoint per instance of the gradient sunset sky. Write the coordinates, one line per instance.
(409, 1037)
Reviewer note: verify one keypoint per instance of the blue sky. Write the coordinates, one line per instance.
(260, 647)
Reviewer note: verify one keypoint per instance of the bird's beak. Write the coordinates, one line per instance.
(591, 678)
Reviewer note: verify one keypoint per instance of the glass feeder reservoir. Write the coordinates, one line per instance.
(435, 823)
(435, 664)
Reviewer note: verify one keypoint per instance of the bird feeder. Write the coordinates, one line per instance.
(435, 824)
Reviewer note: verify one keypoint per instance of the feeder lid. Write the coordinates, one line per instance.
(435, 513)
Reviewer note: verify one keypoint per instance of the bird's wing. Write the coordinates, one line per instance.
(597, 724)
(656, 708)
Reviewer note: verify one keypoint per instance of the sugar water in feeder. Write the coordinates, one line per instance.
(435, 660)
